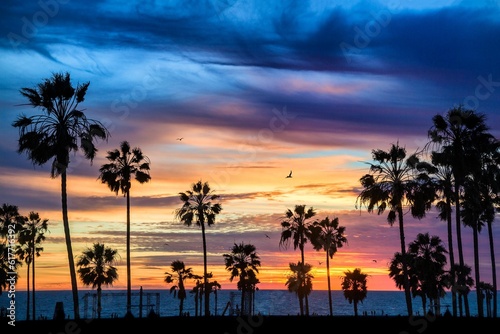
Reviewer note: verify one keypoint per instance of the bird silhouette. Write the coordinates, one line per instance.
(289, 175)
(374, 260)
(268, 236)
(181, 138)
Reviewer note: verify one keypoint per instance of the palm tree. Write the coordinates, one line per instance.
(243, 262)
(443, 183)
(486, 290)
(296, 226)
(329, 237)
(300, 282)
(429, 259)
(30, 239)
(60, 129)
(96, 268)
(393, 183)
(180, 274)
(199, 206)
(7, 267)
(10, 219)
(354, 287)
(481, 190)
(125, 164)
(453, 135)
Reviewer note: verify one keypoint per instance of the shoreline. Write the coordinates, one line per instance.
(251, 325)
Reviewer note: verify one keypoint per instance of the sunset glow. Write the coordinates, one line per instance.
(255, 90)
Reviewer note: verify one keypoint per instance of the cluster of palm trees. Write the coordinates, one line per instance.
(29, 234)
(460, 177)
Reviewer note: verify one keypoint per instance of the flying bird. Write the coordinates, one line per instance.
(289, 175)
(268, 236)
(181, 138)
(374, 260)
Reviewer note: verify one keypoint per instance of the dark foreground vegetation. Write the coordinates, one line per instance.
(255, 325)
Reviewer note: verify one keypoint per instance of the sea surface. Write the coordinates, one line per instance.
(267, 302)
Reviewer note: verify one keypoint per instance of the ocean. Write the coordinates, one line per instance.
(267, 302)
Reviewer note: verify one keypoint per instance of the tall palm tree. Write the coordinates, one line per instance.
(300, 282)
(480, 200)
(296, 226)
(329, 237)
(453, 135)
(60, 129)
(444, 183)
(96, 268)
(243, 262)
(354, 287)
(393, 184)
(179, 273)
(30, 239)
(125, 164)
(200, 205)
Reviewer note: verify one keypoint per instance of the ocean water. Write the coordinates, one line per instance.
(267, 302)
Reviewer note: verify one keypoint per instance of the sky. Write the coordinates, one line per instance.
(256, 89)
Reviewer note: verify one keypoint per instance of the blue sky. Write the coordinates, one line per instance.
(255, 89)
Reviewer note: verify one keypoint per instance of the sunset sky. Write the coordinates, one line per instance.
(255, 89)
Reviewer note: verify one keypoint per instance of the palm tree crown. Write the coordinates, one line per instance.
(96, 268)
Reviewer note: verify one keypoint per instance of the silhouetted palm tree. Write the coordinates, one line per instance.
(180, 274)
(486, 290)
(7, 267)
(10, 220)
(329, 237)
(243, 262)
(354, 287)
(60, 129)
(30, 239)
(393, 183)
(96, 269)
(300, 282)
(429, 258)
(444, 187)
(453, 135)
(480, 199)
(125, 164)
(200, 205)
(297, 227)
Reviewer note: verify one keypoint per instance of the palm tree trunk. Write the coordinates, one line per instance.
(306, 298)
(129, 280)
(459, 242)
(33, 283)
(99, 307)
(71, 259)
(480, 304)
(329, 285)
(493, 269)
(451, 254)
(28, 291)
(406, 282)
(205, 269)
